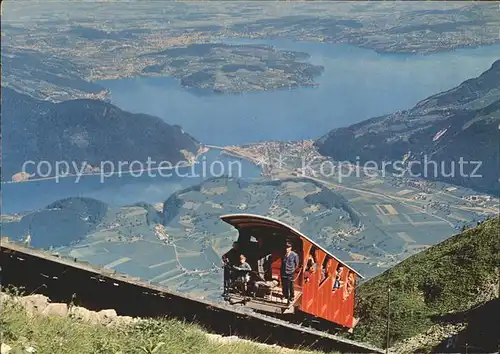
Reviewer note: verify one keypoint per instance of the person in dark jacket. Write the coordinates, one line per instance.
(230, 259)
(289, 264)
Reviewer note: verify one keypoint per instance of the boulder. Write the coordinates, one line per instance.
(82, 314)
(5, 349)
(106, 316)
(34, 303)
(56, 310)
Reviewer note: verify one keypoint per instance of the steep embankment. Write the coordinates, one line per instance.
(81, 131)
(451, 287)
(461, 123)
(31, 324)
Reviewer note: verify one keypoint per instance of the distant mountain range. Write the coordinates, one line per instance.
(80, 131)
(460, 123)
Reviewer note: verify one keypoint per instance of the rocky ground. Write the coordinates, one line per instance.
(39, 304)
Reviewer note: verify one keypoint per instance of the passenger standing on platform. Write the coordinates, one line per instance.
(289, 264)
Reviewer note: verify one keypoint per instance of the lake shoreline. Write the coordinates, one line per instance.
(180, 164)
(357, 84)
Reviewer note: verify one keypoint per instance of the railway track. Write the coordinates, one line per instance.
(63, 279)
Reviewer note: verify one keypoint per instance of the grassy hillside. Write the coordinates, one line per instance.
(444, 284)
(53, 334)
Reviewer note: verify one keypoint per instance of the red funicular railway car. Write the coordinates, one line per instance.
(324, 285)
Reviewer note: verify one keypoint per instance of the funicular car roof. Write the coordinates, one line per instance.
(242, 221)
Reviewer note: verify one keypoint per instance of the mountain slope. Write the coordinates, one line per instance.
(452, 283)
(467, 117)
(83, 131)
(69, 221)
(59, 224)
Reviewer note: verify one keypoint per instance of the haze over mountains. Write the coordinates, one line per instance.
(80, 131)
(458, 123)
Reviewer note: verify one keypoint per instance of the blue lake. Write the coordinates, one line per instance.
(125, 189)
(357, 84)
